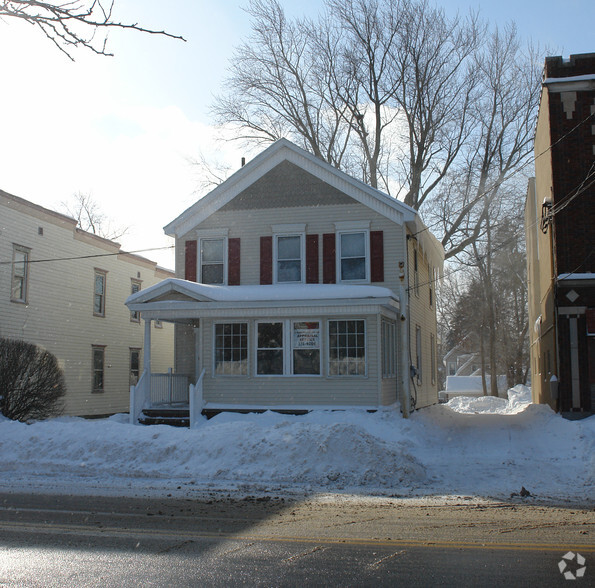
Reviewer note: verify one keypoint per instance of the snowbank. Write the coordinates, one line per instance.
(480, 446)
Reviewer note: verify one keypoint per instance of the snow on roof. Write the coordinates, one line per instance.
(584, 276)
(277, 292)
(583, 78)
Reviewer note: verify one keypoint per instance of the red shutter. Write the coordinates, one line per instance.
(376, 256)
(190, 261)
(329, 267)
(311, 259)
(266, 260)
(233, 262)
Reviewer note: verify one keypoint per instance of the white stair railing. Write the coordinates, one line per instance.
(138, 397)
(196, 400)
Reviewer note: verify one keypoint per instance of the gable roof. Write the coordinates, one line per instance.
(284, 150)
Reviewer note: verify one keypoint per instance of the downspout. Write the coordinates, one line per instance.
(404, 304)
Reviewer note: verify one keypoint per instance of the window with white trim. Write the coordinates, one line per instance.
(433, 357)
(231, 349)
(20, 273)
(212, 260)
(353, 256)
(134, 365)
(347, 347)
(389, 350)
(288, 348)
(289, 258)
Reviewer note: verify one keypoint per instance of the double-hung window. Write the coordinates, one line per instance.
(212, 261)
(288, 348)
(134, 365)
(418, 354)
(99, 293)
(353, 251)
(231, 349)
(389, 350)
(134, 288)
(347, 347)
(20, 273)
(289, 253)
(98, 367)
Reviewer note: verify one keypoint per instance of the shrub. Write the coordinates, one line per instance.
(31, 382)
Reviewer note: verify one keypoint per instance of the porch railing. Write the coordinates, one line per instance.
(196, 400)
(168, 389)
(138, 396)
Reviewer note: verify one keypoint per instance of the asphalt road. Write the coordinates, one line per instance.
(327, 541)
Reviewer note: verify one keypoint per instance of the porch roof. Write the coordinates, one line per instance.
(174, 299)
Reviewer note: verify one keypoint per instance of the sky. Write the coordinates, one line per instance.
(126, 128)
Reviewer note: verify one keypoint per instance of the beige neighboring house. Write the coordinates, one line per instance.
(298, 287)
(64, 290)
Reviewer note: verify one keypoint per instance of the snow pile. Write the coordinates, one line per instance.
(481, 447)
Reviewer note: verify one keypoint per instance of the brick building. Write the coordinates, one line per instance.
(560, 228)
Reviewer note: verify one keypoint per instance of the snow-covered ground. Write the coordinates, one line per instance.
(483, 447)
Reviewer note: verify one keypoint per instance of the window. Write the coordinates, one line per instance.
(99, 293)
(289, 257)
(212, 261)
(98, 368)
(433, 357)
(353, 264)
(269, 352)
(287, 348)
(305, 346)
(347, 348)
(431, 285)
(231, 349)
(389, 352)
(134, 288)
(452, 368)
(415, 273)
(158, 324)
(20, 273)
(418, 358)
(134, 366)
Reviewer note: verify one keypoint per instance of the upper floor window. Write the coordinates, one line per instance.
(289, 256)
(134, 288)
(20, 273)
(99, 293)
(415, 273)
(212, 261)
(418, 354)
(353, 256)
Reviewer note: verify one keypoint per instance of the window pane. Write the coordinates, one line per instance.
(353, 269)
(212, 274)
(306, 362)
(353, 245)
(270, 362)
(99, 284)
(289, 271)
(212, 250)
(288, 247)
(270, 335)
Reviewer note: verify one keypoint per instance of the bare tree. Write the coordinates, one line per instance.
(91, 218)
(73, 23)
(31, 382)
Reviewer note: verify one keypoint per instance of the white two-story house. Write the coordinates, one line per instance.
(297, 287)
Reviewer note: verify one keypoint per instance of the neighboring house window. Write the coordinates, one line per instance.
(418, 360)
(347, 348)
(289, 258)
(134, 288)
(353, 256)
(431, 285)
(134, 365)
(389, 352)
(415, 273)
(98, 368)
(433, 357)
(452, 368)
(99, 293)
(306, 348)
(231, 349)
(20, 273)
(212, 261)
(269, 349)
(158, 324)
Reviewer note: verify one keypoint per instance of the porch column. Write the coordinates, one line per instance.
(147, 347)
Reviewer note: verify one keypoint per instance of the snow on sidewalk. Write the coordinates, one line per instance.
(487, 447)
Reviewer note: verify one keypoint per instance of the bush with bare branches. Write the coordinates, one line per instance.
(31, 382)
